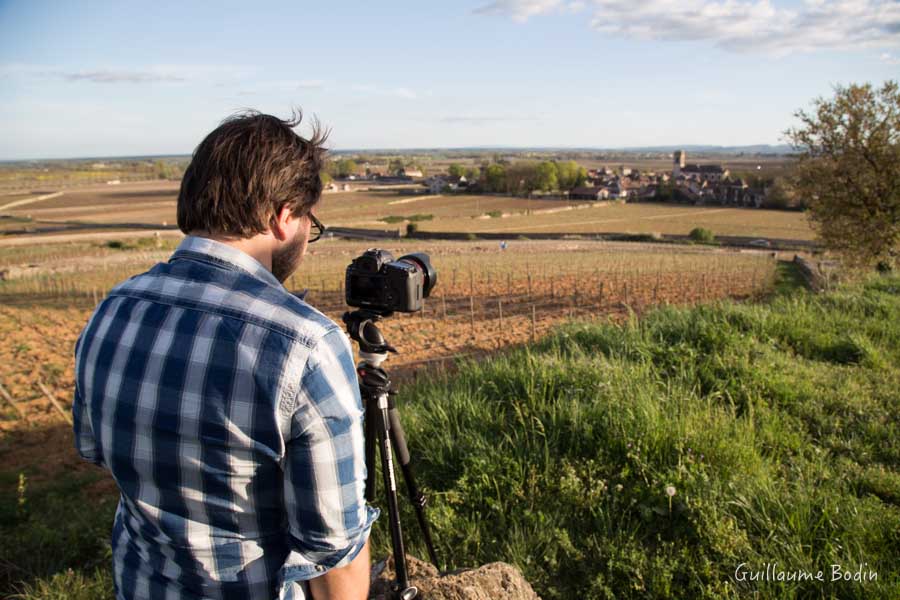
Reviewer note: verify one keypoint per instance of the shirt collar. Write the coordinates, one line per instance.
(223, 255)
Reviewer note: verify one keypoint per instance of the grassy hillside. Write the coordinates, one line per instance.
(639, 461)
(776, 427)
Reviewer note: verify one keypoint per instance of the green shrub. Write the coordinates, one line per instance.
(702, 235)
(413, 218)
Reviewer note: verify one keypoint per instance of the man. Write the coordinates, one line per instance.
(227, 409)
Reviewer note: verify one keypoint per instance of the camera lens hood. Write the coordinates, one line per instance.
(421, 260)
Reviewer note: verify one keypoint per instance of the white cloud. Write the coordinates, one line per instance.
(520, 10)
(890, 58)
(737, 25)
(109, 75)
(115, 76)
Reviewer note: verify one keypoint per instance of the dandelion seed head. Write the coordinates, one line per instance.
(670, 490)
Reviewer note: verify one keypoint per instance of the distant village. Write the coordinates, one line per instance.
(707, 184)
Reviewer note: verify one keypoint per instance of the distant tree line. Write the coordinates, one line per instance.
(524, 177)
(341, 168)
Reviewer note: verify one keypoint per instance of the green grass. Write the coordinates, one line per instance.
(55, 538)
(777, 425)
(412, 218)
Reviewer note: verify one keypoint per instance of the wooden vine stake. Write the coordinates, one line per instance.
(533, 323)
(55, 402)
(12, 403)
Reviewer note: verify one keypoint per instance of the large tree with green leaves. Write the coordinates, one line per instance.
(546, 177)
(848, 172)
(570, 174)
(346, 167)
(494, 178)
(456, 170)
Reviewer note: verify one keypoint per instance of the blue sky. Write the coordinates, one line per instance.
(127, 78)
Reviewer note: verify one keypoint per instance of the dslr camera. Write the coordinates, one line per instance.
(376, 282)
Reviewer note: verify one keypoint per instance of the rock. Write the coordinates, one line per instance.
(489, 582)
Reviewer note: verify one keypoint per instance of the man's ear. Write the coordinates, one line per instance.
(281, 223)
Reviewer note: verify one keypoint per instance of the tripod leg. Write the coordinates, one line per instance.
(371, 438)
(404, 590)
(418, 499)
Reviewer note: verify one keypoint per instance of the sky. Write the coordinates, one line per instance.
(87, 79)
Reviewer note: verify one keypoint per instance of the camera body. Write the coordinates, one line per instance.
(377, 282)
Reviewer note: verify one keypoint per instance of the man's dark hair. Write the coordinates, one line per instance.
(246, 170)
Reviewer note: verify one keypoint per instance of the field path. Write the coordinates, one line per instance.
(414, 199)
(25, 201)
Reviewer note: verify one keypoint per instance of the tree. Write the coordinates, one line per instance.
(456, 170)
(546, 177)
(163, 169)
(396, 166)
(848, 172)
(780, 194)
(345, 167)
(521, 177)
(494, 178)
(570, 174)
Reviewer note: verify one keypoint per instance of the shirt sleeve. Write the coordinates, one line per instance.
(85, 441)
(325, 470)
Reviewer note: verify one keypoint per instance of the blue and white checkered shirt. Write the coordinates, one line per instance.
(229, 414)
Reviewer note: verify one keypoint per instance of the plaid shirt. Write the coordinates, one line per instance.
(229, 414)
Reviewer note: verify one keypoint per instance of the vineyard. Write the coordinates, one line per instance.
(486, 298)
(152, 204)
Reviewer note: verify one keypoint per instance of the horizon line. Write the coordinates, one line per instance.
(411, 149)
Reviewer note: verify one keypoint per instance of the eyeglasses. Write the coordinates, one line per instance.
(320, 229)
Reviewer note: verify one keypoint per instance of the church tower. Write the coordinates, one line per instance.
(677, 163)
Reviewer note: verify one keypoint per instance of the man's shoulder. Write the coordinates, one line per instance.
(307, 322)
(233, 295)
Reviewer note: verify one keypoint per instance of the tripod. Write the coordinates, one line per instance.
(383, 425)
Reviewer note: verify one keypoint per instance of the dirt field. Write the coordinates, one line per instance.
(486, 298)
(604, 217)
(153, 204)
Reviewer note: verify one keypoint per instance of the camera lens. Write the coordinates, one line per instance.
(421, 261)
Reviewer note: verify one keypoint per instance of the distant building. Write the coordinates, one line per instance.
(589, 193)
(678, 159)
(439, 183)
(706, 172)
(680, 167)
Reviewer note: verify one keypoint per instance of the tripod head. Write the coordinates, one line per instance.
(362, 328)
